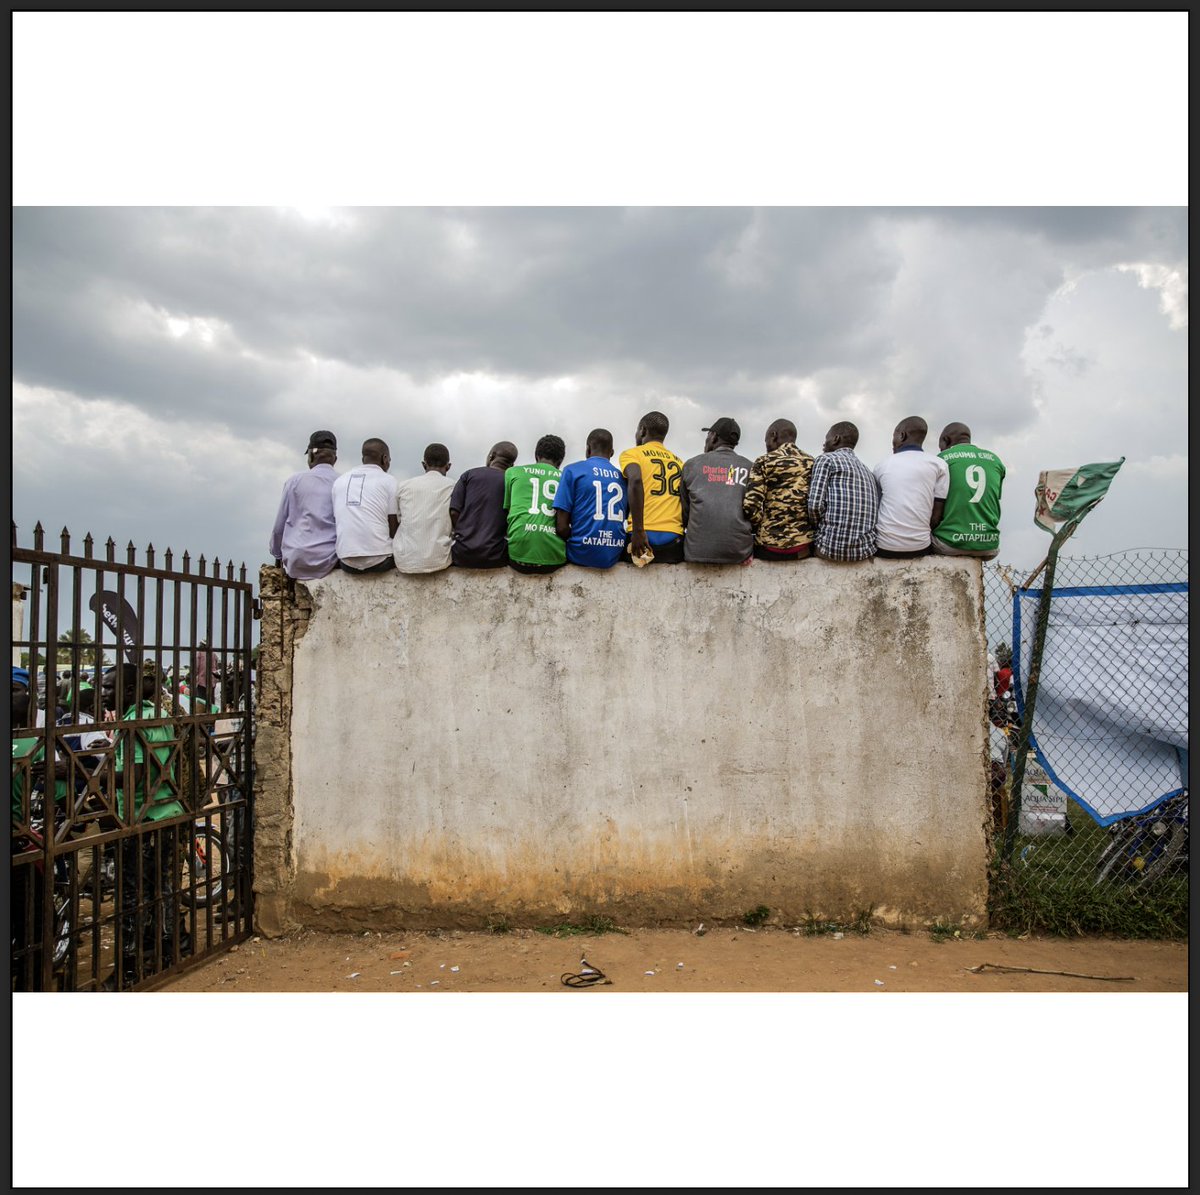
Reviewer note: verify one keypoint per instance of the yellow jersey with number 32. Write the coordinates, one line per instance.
(662, 473)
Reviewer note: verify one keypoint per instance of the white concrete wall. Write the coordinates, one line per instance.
(656, 746)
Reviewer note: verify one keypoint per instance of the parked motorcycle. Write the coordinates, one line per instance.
(1146, 846)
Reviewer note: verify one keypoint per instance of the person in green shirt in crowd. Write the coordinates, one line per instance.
(25, 889)
(25, 747)
(529, 490)
(149, 912)
(970, 522)
(30, 749)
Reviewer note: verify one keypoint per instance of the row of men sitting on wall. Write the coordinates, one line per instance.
(651, 507)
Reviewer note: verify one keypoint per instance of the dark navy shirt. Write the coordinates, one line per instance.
(479, 533)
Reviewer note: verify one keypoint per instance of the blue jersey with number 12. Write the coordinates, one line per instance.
(593, 493)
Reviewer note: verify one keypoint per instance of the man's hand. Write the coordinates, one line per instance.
(641, 545)
(37, 770)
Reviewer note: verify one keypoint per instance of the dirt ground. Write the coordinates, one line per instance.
(727, 959)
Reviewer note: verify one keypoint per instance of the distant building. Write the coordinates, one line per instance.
(19, 593)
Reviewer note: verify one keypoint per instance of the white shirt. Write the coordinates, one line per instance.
(422, 543)
(91, 738)
(362, 501)
(909, 482)
(997, 743)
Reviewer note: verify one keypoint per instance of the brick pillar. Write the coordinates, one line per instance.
(286, 608)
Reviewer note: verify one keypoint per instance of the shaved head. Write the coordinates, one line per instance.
(954, 433)
(841, 435)
(599, 442)
(373, 451)
(911, 431)
(503, 455)
(784, 430)
(653, 425)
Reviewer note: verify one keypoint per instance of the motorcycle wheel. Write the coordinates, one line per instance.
(62, 931)
(205, 855)
(1114, 860)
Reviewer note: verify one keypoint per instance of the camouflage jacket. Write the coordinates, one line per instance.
(776, 500)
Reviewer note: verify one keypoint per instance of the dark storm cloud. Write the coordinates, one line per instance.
(693, 294)
(1090, 236)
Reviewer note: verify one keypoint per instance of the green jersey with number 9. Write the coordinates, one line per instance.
(971, 521)
(529, 492)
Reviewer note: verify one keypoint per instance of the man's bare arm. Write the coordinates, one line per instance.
(637, 508)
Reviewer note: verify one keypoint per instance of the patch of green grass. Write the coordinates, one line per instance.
(499, 925)
(756, 916)
(1069, 905)
(815, 928)
(859, 923)
(589, 926)
(1049, 887)
(943, 931)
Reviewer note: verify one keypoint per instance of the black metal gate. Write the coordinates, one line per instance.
(131, 849)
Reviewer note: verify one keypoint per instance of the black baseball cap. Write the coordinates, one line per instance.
(321, 440)
(726, 429)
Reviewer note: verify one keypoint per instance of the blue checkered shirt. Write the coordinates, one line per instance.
(843, 503)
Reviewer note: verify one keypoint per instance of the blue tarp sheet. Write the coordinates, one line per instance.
(1111, 720)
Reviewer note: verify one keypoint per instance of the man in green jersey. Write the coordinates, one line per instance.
(149, 910)
(25, 880)
(970, 523)
(529, 490)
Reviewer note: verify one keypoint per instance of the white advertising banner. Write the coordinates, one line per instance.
(1110, 725)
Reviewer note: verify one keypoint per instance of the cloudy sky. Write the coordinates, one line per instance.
(169, 363)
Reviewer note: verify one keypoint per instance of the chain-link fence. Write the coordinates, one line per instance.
(1099, 838)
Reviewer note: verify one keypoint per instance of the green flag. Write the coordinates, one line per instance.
(1066, 495)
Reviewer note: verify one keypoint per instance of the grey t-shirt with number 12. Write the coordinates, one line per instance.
(716, 531)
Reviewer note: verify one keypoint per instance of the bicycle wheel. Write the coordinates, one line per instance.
(205, 868)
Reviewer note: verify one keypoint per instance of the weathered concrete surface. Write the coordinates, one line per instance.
(655, 746)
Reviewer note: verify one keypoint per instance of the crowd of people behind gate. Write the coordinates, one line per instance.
(651, 507)
(98, 756)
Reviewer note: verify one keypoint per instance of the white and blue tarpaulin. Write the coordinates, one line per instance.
(1110, 723)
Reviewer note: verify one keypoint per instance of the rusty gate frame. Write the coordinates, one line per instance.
(185, 880)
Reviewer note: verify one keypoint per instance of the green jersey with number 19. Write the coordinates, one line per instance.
(529, 492)
(972, 516)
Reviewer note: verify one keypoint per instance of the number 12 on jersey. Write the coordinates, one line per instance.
(615, 514)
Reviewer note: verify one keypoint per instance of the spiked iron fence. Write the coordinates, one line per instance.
(132, 763)
(1090, 846)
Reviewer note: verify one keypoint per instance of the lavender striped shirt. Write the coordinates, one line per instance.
(304, 536)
